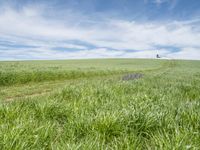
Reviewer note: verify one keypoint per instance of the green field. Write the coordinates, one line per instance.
(85, 104)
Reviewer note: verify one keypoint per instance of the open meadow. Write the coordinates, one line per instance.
(87, 104)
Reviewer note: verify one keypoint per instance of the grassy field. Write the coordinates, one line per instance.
(85, 104)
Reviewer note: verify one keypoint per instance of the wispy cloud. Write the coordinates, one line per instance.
(29, 34)
(159, 1)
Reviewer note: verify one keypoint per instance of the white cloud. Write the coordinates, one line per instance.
(51, 54)
(186, 53)
(159, 2)
(30, 27)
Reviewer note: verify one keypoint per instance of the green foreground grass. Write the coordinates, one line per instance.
(92, 108)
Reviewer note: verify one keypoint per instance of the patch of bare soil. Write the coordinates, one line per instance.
(132, 76)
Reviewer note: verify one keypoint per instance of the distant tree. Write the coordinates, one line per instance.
(157, 56)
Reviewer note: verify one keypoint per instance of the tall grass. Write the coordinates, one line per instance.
(12, 78)
(158, 111)
(12, 73)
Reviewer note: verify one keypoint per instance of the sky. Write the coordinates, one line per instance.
(79, 29)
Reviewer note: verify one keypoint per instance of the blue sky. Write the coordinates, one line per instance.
(71, 29)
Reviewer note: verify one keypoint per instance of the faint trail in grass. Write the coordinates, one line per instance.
(60, 84)
(10, 99)
(50, 87)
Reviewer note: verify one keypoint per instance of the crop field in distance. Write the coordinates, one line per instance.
(100, 104)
